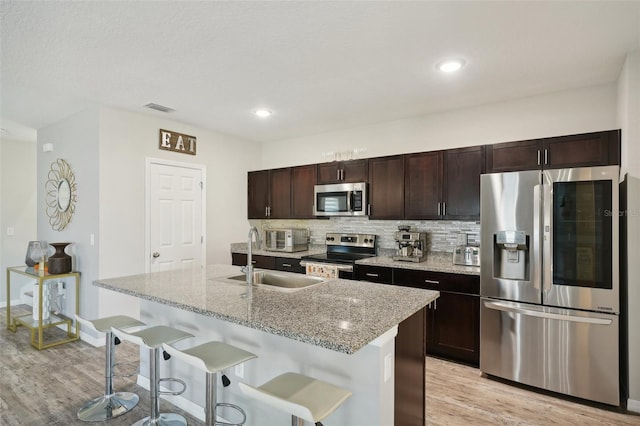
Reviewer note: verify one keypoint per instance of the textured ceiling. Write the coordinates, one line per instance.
(320, 66)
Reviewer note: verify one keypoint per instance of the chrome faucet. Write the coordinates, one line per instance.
(248, 270)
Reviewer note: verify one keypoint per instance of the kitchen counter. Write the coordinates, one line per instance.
(436, 261)
(368, 338)
(340, 315)
(313, 249)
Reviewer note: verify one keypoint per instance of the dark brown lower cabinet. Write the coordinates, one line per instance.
(453, 320)
(289, 264)
(259, 261)
(454, 327)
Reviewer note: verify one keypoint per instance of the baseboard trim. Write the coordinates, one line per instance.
(633, 405)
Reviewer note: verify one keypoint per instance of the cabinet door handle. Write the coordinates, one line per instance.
(538, 157)
(342, 173)
(370, 274)
(253, 261)
(438, 209)
(546, 156)
(286, 265)
(337, 174)
(369, 210)
(432, 282)
(444, 209)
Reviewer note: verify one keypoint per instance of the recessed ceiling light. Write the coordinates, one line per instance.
(450, 65)
(263, 113)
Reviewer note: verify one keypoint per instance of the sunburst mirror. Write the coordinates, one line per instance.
(61, 194)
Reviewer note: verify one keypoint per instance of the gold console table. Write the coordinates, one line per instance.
(38, 326)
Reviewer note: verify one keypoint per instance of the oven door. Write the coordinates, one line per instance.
(580, 238)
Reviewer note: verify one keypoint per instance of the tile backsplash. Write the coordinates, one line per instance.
(443, 235)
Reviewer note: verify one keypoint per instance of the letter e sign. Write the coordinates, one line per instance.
(178, 142)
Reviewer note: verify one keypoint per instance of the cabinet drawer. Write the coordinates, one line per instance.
(289, 264)
(264, 262)
(442, 281)
(375, 274)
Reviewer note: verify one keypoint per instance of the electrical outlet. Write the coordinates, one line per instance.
(388, 367)
(240, 370)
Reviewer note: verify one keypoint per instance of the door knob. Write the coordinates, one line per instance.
(155, 254)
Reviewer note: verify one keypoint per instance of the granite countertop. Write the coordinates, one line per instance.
(313, 249)
(436, 261)
(340, 315)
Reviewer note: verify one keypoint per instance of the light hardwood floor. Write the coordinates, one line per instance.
(47, 387)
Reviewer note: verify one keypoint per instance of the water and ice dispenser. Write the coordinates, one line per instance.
(511, 255)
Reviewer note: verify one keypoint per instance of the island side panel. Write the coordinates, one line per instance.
(372, 402)
(410, 371)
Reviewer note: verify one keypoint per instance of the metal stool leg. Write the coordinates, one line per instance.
(111, 404)
(155, 417)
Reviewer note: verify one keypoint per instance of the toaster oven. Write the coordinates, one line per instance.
(286, 239)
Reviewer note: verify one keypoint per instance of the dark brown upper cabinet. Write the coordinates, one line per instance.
(461, 185)
(423, 185)
(386, 187)
(343, 171)
(443, 184)
(582, 150)
(269, 194)
(303, 179)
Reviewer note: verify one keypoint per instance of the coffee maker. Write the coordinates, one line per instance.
(411, 246)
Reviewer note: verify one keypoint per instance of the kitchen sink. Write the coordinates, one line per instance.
(282, 281)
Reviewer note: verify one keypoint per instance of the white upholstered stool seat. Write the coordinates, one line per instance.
(301, 396)
(213, 357)
(111, 404)
(153, 338)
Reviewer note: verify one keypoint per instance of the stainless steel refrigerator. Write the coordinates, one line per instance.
(549, 280)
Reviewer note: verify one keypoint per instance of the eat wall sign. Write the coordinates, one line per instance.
(177, 142)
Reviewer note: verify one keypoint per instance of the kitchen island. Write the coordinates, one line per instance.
(368, 338)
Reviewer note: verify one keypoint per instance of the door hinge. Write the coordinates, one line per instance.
(201, 239)
(201, 185)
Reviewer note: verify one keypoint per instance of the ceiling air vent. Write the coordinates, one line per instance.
(159, 107)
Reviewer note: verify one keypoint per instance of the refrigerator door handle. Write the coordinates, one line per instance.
(499, 306)
(536, 264)
(547, 236)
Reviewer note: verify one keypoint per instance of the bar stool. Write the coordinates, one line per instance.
(213, 357)
(152, 338)
(305, 398)
(110, 404)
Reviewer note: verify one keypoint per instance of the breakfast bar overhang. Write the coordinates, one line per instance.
(368, 338)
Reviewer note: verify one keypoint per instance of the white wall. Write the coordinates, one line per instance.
(126, 140)
(568, 112)
(75, 140)
(629, 122)
(106, 149)
(17, 207)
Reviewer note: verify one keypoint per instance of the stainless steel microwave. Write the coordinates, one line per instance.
(343, 199)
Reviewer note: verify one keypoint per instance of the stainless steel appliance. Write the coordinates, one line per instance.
(343, 250)
(344, 199)
(286, 239)
(549, 280)
(466, 255)
(411, 246)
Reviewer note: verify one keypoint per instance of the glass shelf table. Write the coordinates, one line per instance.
(38, 326)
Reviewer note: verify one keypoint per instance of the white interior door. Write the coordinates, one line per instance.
(175, 216)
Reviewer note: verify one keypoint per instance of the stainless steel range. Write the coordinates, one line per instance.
(343, 250)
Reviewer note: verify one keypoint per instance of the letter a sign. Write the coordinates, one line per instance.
(178, 142)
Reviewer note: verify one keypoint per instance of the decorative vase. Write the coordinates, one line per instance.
(35, 251)
(60, 261)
